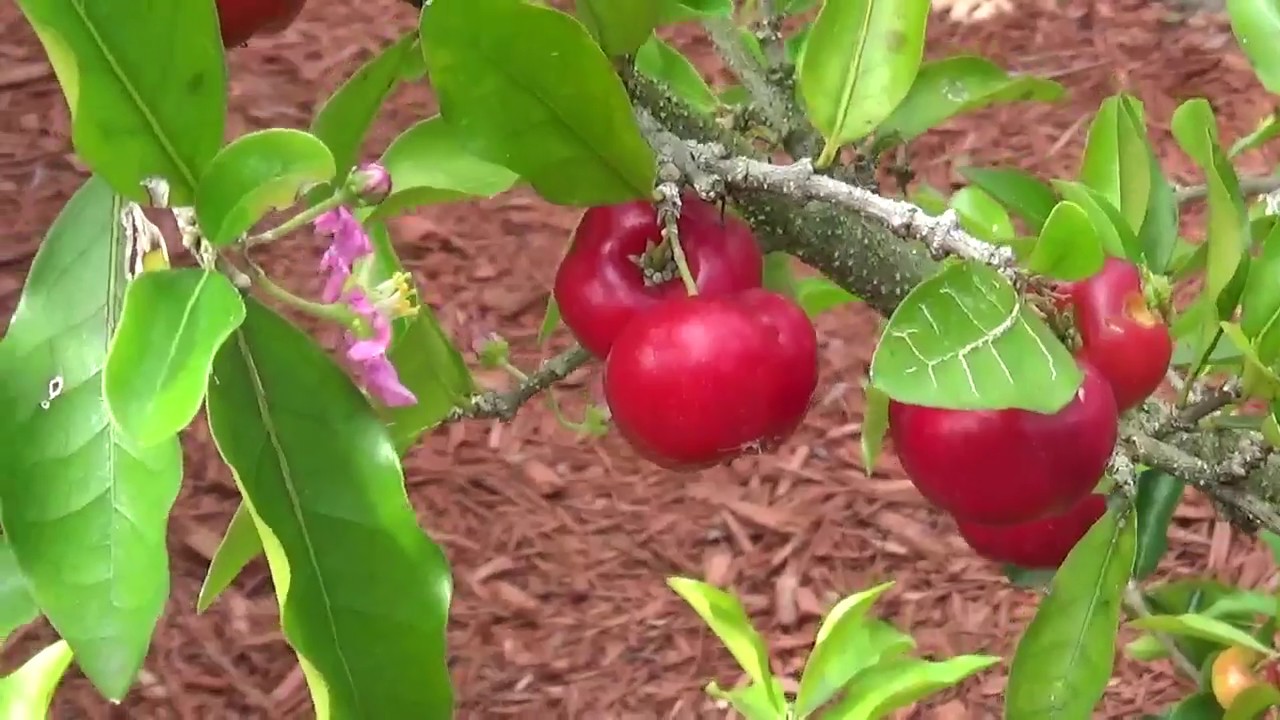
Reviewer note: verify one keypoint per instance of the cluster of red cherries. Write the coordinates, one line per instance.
(691, 380)
(1021, 485)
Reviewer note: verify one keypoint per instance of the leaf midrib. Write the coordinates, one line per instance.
(264, 411)
(187, 175)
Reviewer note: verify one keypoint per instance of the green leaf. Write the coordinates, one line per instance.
(1267, 130)
(1201, 706)
(550, 319)
(1064, 659)
(659, 61)
(172, 324)
(505, 89)
(779, 275)
(428, 164)
(1202, 627)
(875, 425)
(1068, 247)
(84, 508)
(363, 593)
(1253, 701)
(722, 612)
(1020, 191)
(1116, 161)
(1256, 24)
(680, 10)
(981, 215)
(28, 691)
(1145, 648)
(240, 544)
(1273, 543)
(1158, 496)
(793, 46)
(859, 62)
(1112, 229)
(817, 295)
(836, 655)
(345, 118)
(147, 96)
(963, 340)
(1260, 301)
(620, 26)
(956, 85)
(898, 683)
(17, 607)
(1196, 131)
(256, 173)
(928, 198)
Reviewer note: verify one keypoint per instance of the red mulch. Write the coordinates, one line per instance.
(560, 547)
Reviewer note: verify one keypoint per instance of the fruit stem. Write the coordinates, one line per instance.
(343, 195)
(682, 265)
(1137, 606)
(515, 372)
(669, 216)
(336, 312)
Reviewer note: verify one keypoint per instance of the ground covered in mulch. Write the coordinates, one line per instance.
(560, 547)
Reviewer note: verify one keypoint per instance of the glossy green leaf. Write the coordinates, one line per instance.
(240, 544)
(550, 320)
(1195, 129)
(158, 363)
(793, 47)
(779, 274)
(722, 612)
(836, 657)
(982, 215)
(1268, 129)
(1256, 23)
(17, 607)
(84, 508)
(1065, 657)
(1145, 648)
(1113, 232)
(899, 683)
(505, 89)
(752, 701)
(956, 85)
(255, 174)
(1017, 190)
(1200, 706)
(1158, 496)
(816, 295)
(1158, 236)
(659, 61)
(1260, 301)
(1068, 247)
(875, 425)
(680, 10)
(860, 61)
(343, 121)
(1116, 162)
(963, 340)
(429, 164)
(1202, 627)
(928, 198)
(1241, 604)
(28, 691)
(620, 26)
(363, 593)
(147, 96)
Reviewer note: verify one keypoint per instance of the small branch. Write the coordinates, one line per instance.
(773, 105)
(503, 406)
(1248, 186)
(769, 33)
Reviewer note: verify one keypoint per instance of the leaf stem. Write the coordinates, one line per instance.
(335, 313)
(339, 197)
(829, 152)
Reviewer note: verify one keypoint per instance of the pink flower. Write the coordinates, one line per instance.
(367, 355)
(372, 183)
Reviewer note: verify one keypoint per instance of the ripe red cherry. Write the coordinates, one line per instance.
(599, 287)
(240, 20)
(699, 380)
(1039, 544)
(1119, 334)
(1003, 467)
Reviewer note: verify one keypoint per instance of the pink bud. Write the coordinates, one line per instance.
(372, 182)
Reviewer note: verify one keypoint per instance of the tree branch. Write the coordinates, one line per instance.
(504, 405)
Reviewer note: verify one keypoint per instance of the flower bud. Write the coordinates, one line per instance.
(372, 183)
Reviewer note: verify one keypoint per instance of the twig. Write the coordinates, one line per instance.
(503, 406)
(1248, 186)
(1137, 606)
(775, 106)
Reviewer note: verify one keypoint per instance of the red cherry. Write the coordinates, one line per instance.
(240, 20)
(600, 289)
(1003, 467)
(699, 380)
(1039, 544)
(1119, 334)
